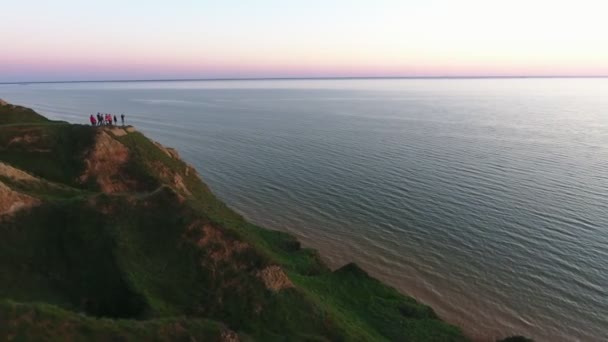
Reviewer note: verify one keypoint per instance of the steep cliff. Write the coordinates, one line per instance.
(105, 234)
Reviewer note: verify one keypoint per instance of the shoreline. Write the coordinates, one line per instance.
(420, 293)
(335, 262)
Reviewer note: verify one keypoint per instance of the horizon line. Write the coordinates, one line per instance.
(305, 78)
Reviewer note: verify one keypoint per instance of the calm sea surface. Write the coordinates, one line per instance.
(484, 198)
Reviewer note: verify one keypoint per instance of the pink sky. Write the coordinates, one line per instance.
(72, 40)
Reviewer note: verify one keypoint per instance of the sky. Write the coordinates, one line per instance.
(63, 40)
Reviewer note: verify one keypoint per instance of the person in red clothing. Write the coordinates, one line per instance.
(93, 121)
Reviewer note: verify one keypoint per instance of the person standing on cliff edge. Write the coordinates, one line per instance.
(122, 119)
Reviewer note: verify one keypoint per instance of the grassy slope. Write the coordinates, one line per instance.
(34, 322)
(11, 114)
(135, 256)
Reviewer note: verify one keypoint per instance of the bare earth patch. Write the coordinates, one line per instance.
(170, 152)
(3, 103)
(229, 336)
(274, 278)
(118, 132)
(24, 139)
(220, 248)
(178, 181)
(171, 178)
(16, 174)
(105, 162)
(31, 139)
(12, 201)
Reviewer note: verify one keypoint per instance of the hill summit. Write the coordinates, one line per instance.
(107, 235)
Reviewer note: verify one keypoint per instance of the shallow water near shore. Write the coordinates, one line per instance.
(484, 198)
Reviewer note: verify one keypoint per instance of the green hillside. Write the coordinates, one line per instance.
(107, 235)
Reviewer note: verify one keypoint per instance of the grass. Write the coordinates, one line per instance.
(365, 306)
(10, 114)
(54, 152)
(38, 321)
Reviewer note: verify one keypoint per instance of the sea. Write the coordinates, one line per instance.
(485, 198)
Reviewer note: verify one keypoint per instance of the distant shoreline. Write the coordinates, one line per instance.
(299, 78)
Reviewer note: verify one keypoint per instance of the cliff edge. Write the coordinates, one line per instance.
(107, 235)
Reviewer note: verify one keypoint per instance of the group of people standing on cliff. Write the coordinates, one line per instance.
(106, 119)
